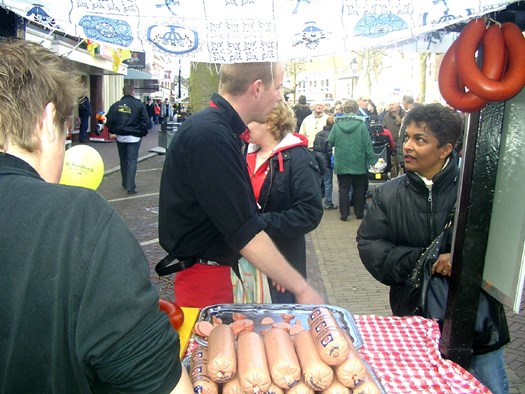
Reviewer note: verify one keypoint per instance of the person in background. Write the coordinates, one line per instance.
(392, 119)
(322, 149)
(166, 111)
(129, 121)
(156, 112)
(408, 102)
(372, 110)
(400, 224)
(285, 179)
(84, 113)
(363, 110)
(353, 155)
(301, 110)
(79, 313)
(313, 123)
(338, 109)
(149, 109)
(208, 217)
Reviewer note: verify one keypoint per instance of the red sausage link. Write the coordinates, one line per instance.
(494, 61)
(450, 88)
(496, 89)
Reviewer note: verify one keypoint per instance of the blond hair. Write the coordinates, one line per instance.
(281, 120)
(31, 77)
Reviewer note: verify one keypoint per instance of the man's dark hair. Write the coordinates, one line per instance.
(440, 120)
(302, 99)
(128, 90)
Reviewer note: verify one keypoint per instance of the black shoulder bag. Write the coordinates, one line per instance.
(434, 289)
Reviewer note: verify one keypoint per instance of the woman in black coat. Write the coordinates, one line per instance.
(408, 212)
(286, 181)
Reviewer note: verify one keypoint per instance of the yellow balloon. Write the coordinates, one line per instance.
(83, 166)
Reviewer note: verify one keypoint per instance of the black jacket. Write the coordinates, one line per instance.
(301, 111)
(79, 313)
(128, 116)
(291, 204)
(323, 149)
(403, 219)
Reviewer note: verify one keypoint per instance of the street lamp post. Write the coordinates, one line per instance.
(353, 68)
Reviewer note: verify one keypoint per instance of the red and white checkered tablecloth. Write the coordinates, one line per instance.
(404, 354)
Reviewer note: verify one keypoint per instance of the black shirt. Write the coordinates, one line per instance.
(206, 204)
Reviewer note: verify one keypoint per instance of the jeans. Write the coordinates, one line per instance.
(129, 155)
(489, 369)
(328, 186)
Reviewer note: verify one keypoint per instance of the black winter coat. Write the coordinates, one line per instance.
(322, 149)
(128, 116)
(403, 219)
(291, 203)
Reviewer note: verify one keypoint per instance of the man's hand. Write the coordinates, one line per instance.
(309, 295)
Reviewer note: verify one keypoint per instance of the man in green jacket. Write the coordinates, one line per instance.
(353, 155)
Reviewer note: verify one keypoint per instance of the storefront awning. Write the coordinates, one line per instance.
(142, 81)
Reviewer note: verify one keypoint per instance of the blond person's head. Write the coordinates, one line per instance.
(281, 120)
(31, 77)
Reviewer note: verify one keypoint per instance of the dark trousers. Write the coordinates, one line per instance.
(83, 129)
(358, 184)
(129, 155)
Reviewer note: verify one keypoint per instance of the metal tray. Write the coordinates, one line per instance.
(257, 312)
(374, 377)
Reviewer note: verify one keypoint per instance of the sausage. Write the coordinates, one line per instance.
(285, 369)
(274, 389)
(328, 336)
(353, 370)
(367, 387)
(336, 388)
(203, 328)
(316, 373)
(267, 320)
(496, 89)
(199, 372)
(252, 365)
(452, 90)
(232, 386)
(222, 361)
(174, 312)
(300, 388)
(448, 83)
(242, 325)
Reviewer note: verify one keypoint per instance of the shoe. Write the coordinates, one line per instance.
(360, 217)
(131, 192)
(344, 219)
(330, 206)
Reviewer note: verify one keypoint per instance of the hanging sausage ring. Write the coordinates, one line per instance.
(502, 74)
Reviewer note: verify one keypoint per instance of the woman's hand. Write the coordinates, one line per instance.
(443, 265)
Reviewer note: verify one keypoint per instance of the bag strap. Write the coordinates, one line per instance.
(416, 275)
(165, 266)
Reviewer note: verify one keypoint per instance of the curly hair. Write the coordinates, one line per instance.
(31, 77)
(281, 120)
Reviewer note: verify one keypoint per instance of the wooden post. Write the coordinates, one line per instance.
(474, 208)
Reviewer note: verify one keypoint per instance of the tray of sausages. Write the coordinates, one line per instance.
(281, 348)
(264, 315)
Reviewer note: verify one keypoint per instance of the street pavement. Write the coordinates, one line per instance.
(334, 267)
